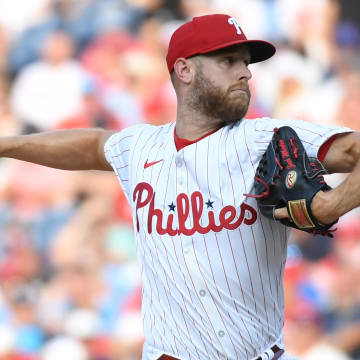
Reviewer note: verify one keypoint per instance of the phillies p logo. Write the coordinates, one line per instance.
(233, 21)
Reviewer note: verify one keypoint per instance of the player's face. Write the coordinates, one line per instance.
(220, 88)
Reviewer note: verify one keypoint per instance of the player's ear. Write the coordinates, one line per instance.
(184, 71)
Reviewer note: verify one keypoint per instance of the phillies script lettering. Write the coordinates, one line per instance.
(144, 195)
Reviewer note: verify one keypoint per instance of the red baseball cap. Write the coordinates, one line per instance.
(208, 33)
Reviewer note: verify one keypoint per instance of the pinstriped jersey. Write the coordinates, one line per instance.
(211, 264)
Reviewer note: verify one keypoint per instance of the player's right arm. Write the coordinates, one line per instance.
(77, 149)
(342, 157)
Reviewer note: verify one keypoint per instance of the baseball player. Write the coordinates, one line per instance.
(211, 264)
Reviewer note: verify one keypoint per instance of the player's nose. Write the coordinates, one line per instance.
(243, 72)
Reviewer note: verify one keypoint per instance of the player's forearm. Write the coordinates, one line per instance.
(62, 149)
(330, 205)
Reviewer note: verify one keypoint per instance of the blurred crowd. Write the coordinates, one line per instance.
(69, 281)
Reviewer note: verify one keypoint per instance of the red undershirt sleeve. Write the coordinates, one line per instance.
(325, 147)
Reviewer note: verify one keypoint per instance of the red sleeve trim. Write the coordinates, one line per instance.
(325, 147)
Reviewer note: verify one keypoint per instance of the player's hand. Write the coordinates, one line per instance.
(320, 207)
(323, 208)
(281, 213)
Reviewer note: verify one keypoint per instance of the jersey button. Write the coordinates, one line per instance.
(179, 161)
(221, 333)
(202, 292)
(181, 180)
(186, 250)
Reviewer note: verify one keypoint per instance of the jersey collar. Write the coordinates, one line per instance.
(180, 143)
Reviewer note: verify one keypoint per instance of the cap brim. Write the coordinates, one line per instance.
(260, 50)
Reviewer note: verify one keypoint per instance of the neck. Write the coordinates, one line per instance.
(192, 125)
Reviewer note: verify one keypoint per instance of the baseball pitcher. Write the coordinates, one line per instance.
(211, 212)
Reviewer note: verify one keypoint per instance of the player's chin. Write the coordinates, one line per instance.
(238, 100)
(234, 117)
(237, 111)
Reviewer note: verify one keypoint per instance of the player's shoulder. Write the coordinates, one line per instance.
(140, 132)
(257, 133)
(266, 124)
(262, 127)
(250, 127)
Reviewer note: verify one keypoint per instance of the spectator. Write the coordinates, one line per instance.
(80, 251)
(64, 347)
(50, 90)
(91, 114)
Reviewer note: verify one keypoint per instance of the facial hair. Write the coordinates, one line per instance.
(214, 102)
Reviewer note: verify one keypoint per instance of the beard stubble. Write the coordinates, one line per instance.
(214, 102)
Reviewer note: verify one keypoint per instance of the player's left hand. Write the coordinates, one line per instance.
(290, 187)
(318, 209)
(281, 213)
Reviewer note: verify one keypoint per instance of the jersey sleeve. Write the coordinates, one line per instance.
(117, 152)
(313, 136)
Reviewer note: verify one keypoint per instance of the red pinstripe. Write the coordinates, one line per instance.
(197, 181)
(155, 280)
(156, 156)
(207, 254)
(182, 248)
(125, 137)
(217, 241)
(143, 148)
(172, 239)
(266, 245)
(166, 277)
(202, 320)
(205, 282)
(167, 297)
(207, 165)
(242, 241)
(267, 142)
(295, 127)
(232, 252)
(160, 239)
(195, 167)
(257, 256)
(275, 242)
(127, 150)
(158, 294)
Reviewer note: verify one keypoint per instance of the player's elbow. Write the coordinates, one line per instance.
(101, 162)
(353, 151)
(344, 153)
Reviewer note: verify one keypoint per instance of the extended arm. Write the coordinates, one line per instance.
(80, 149)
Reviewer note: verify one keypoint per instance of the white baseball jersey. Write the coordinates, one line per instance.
(212, 265)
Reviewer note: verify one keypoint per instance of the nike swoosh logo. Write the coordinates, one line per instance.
(146, 165)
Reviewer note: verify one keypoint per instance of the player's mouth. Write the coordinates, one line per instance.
(240, 89)
(239, 93)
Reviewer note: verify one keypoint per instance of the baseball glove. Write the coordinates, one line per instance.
(287, 177)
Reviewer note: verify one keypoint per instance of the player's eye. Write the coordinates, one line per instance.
(228, 60)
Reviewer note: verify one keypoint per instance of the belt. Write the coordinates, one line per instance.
(277, 353)
(275, 349)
